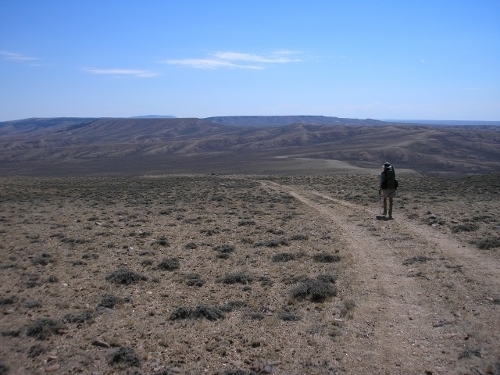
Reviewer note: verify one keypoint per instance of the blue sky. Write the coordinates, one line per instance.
(199, 58)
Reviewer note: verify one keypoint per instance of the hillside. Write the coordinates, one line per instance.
(183, 145)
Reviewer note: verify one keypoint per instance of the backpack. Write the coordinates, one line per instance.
(390, 181)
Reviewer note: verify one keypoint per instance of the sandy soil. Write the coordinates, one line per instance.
(241, 275)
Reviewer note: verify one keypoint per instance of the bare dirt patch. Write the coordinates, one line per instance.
(242, 275)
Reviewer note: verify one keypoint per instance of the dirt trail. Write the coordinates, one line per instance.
(424, 302)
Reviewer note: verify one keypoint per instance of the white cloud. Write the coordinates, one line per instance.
(124, 72)
(16, 56)
(237, 60)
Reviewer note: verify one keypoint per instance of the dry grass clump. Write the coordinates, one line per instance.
(314, 290)
(467, 227)
(193, 279)
(272, 243)
(289, 317)
(169, 264)
(236, 278)
(326, 258)
(488, 243)
(110, 301)
(42, 329)
(35, 351)
(43, 259)
(125, 357)
(125, 276)
(81, 318)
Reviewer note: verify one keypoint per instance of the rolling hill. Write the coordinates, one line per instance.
(252, 145)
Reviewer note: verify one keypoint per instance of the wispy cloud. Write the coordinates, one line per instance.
(12, 56)
(124, 72)
(239, 60)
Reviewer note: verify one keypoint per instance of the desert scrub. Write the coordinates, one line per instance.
(289, 317)
(169, 264)
(110, 301)
(125, 276)
(278, 232)
(81, 318)
(43, 328)
(190, 246)
(224, 248)
(272, 243)
(125, 356)
(242, 223)
(200, 312)
(326, 258)
(42, 260)
(299, 237)
(314, 290)
(35, 351)
(467, 227)
(7, 301)
(193, 279)
(489, 243)
(162, 241)
(235, 278)
(284, 257)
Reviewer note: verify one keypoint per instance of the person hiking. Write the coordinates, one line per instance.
(388, 186)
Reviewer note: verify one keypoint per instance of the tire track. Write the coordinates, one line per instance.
(414, 317)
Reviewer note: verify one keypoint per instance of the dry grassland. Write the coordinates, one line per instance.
(220, 274)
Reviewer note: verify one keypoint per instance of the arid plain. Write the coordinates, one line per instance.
(248, 273)
(241, 275)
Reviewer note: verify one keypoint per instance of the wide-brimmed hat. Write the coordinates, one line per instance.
(387, 164)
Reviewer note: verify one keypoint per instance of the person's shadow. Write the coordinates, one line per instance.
(381, 217)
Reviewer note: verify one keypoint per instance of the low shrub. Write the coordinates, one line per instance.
(236, 278)
(488, 243)
(289, 317)
(314, 290)
(36, 350)
(193, 279)
(42, 329)
(299, 237)
(125, 276)
(110, 301)
(78, 319)
(43, 259)
(326, 258)
(224, 249)
(467, 227)
(169, 264)
(125, 356)
(272, 243)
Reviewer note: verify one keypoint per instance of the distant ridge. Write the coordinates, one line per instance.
(447, 122)
(269, 121)
(154, 116)
(266, 145)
